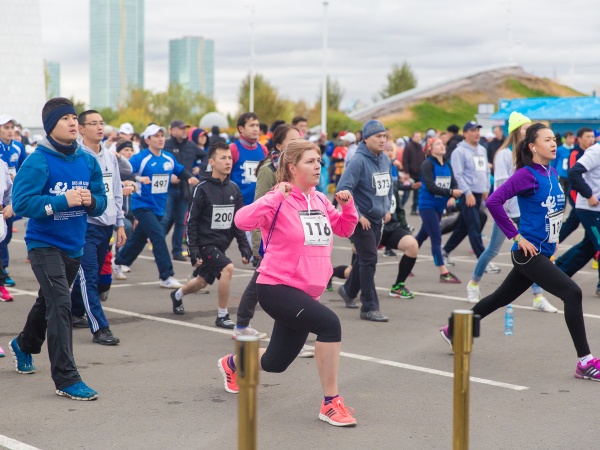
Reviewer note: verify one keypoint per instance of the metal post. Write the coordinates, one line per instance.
(251, 102)
(247, 379)
(324, 86)
(462, 344)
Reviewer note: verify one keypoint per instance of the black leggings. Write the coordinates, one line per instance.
(296, 314)
(539, 269)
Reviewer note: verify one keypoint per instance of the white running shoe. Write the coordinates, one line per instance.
(473, 293)
(248, 331)
(306, 352)
(542, 304)
(447, 261)
(170, 283)
(118, 272)
(126, 269)
(492, 268)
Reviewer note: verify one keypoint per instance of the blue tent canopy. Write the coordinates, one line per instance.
(553, 109)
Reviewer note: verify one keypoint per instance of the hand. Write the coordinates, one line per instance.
(343, 197)
(484, 196)
(527, 247)
(145, 180)
(397, 164)
(117, 155)
(121, 237)
(8, 212)
(456, 193)
(128, 190)
(174, 179)
(593, 201)
(365, 223)
(73, 197)
(245, 260)
(470, 200)
(195, 170)
(416, 185)
(86, 197)
(387, 217)
(193, 181)
(285, 188)
(451, 202)
(195, 259)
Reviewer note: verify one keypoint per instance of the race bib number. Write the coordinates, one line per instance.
(108, 185)
(443, 182)
(160, 183)
(393, 207)
(480, 163)
(249, 175)
(222, 217)
(381, 183)
(316, 228)
(555, 222)
(565, 164)
(12, 170)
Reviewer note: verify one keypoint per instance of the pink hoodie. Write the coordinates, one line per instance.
(287, 259)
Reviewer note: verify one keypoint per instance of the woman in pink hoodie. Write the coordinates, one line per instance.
(297, 225)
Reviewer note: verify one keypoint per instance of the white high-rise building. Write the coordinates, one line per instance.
(22, 76)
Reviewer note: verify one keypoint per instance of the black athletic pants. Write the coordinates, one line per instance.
(55, 272)
(539, 269)
(296, 314)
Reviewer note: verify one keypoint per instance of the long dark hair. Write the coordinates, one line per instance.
(279, 136)
(524, 155)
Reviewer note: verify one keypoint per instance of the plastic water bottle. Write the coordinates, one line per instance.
(509, 321)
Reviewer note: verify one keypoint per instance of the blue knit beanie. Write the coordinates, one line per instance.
(371, 128)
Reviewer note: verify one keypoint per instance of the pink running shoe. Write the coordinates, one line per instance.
(5, 295)
(2, 354)
(446, 336)
(591, 371)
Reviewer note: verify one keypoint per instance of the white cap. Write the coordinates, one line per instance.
(349, 137)
(151, 130)
(5, 118)
(36, 138)
(126, 128)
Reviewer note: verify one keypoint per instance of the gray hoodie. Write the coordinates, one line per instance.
(470, 168)
(365, 176)
(113, 215)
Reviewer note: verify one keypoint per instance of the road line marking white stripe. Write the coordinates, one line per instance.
(13, 444)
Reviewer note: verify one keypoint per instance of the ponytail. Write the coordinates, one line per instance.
(523, 154)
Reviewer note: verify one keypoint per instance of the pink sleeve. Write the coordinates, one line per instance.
(260, 213)
(344, 223)
(235, 153)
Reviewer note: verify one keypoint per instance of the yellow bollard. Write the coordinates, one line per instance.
(462, 344)
(247, 379)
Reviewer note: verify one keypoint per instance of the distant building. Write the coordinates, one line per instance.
(22, 75)
(192, 64)
(116, 51)
(52, 79)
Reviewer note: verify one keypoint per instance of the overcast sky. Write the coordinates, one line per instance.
(439, 39)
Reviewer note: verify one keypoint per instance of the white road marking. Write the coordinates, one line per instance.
(13, 444)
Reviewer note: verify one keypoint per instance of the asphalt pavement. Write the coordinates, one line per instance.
(160, 387)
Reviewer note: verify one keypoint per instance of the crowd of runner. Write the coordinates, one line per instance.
(95, 197)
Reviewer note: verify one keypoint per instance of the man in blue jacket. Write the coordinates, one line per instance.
(57, 187)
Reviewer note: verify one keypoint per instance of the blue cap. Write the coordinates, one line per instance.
(371, 128)
(471, 125)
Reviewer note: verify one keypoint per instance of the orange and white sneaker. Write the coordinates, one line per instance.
(337, 414)
(229, 376)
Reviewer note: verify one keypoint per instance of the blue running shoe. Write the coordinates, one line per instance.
(9, 281)
(78, 391)
(23, 361)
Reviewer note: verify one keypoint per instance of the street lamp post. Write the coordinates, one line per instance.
(251, 105)
(324, 86)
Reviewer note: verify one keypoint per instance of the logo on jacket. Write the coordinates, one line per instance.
(168, 165)
(60, 188)
(14, 157)
(550, 203)
(48, 209)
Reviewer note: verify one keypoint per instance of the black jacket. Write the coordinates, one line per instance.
(214, 204)
(412, 158)
(187, 154)
(452, 143)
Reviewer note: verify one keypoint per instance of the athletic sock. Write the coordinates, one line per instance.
(338, 271)
(404, 268)
(179, 294)
(240, 327)
(473, 284)
(586, 359)
(222, 312)
(328, 400)
(230, 362)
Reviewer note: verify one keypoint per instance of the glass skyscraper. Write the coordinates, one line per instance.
(192, 64)
(116, 51)
(52, 79)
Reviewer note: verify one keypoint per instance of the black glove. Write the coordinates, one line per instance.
(194, 257)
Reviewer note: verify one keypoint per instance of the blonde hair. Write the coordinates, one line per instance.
(292, 155)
